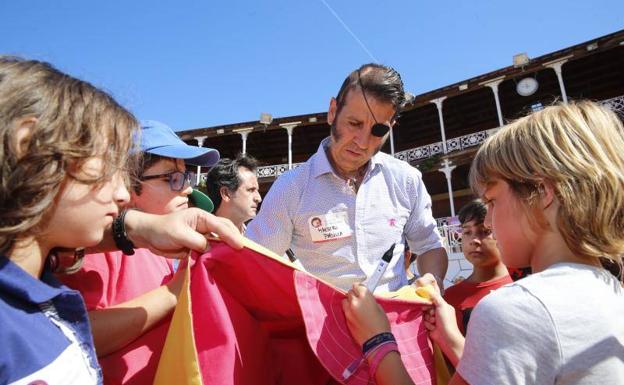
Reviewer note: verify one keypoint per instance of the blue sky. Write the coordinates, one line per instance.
(204, 63)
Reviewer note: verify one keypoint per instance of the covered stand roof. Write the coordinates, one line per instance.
(592, 70)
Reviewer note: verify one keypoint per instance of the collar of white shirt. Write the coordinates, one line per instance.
(321, 165)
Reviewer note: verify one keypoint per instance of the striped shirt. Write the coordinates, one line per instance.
(340, 235)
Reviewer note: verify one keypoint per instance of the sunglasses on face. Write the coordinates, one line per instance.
(378, 129)
(177, 179)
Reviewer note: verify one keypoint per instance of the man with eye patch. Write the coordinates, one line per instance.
(366, 200)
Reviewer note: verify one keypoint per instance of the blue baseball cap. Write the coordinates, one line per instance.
(159, 139)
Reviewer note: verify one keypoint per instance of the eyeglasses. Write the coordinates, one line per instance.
(177, 179)
(378, 129)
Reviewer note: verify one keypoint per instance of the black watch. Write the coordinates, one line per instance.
(120, 236)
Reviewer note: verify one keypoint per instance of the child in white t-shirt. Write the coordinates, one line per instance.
(554, 186)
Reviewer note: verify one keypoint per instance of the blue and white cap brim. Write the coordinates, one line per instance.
(197, 156)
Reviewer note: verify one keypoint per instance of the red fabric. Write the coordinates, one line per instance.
(108, 279)
(249, 326)
(465, 295)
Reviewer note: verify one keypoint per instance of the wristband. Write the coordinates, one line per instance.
(378, 355)
(120, 236)
(379, 350)
(376, 340)
(375, 346)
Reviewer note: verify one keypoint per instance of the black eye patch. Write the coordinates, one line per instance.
(379, 130)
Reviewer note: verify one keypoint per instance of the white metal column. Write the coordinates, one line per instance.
(438, 102)
(447, 170)
(244, 132)
(289, 127)
(556, 65)
(493, 84)
(448, 167)
(200, 143)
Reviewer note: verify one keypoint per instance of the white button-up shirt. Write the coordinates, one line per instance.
(391, 205)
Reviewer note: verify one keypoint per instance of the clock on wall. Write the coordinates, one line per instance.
(527, 86)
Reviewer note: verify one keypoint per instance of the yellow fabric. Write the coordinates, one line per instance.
(443, 376)
(178, 362)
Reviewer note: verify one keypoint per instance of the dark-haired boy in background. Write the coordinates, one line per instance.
(489, 272)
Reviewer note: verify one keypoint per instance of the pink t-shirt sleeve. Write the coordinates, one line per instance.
(108, 279)
(95, 279)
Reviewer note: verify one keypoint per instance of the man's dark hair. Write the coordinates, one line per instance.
(225, 174)
(473, 211)
(381, 82)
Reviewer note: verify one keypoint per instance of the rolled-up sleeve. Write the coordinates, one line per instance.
(421, 229)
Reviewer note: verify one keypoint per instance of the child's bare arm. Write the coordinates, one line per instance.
(365, 319)
(441, 322)
(172, 235)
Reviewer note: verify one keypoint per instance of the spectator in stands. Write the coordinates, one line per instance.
(554, 186)
(232, 185)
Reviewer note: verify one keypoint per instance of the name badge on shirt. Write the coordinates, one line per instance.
(329, 227)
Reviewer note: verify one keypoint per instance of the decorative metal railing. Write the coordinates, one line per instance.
(427, 151)
(274, 171)
(616, 104)
(450, 231)
(409, 155)
(455, 144)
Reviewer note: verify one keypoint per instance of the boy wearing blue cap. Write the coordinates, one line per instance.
(131, 294)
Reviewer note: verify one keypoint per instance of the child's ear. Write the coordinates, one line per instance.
(546, 193)
(225, 194)
(23, 133)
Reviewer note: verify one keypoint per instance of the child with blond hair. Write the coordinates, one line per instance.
(554, 186)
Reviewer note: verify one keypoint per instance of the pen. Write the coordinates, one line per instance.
(295, 261)
(373, 281)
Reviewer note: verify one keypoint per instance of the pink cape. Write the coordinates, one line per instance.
(258, 320)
